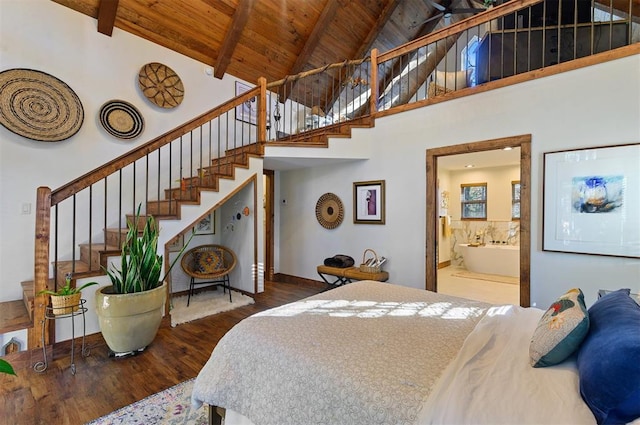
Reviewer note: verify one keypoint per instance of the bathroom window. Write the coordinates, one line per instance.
(473, 201)
(515, 200)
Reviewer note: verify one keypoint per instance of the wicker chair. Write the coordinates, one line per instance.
(209, 264)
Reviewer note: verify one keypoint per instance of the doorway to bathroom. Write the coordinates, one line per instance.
(488, 231)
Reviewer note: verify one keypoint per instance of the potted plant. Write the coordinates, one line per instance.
(131, 308)
(66, 300)
(5, 367)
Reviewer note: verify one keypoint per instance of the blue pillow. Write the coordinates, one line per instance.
(609, 359)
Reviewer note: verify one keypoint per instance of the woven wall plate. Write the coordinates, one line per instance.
(329, 211)
(38, 106)
(121, 119)
(161, 85)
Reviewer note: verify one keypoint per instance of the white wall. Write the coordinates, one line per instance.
(42, 35)
(594, 106)
(498, 180)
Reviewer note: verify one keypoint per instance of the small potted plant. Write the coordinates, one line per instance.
(5, 367)
(66, 300)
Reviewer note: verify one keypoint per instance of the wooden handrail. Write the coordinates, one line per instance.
(456, 28)
(120, 162)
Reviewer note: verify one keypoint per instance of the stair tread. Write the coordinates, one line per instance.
(101, 246)
(14, 316)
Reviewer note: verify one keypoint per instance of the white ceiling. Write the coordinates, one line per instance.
(496, 158)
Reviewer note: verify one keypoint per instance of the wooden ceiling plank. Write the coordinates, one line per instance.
(365, 46)
(238, 22)
(303, 60)
(107, 16)
(326, 17)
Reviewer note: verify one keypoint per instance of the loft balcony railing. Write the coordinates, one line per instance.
(506, 44)
(501, 44)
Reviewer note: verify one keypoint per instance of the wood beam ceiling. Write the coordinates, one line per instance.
(107, 11)
(327, 15)
(231, 39)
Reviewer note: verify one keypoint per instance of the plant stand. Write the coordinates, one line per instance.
(42, 366)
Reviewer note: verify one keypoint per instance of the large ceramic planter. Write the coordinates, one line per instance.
(129, 322)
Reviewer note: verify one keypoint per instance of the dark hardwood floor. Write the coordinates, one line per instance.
(103, 384)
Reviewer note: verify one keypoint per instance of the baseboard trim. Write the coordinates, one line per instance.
(297, 280)
(444, 264)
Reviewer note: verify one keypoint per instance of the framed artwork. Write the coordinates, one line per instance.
(368, 202)
(206, 226)
(591, 201)
(177, 244)
(248, 111)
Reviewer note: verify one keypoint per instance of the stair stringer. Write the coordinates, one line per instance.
(249, 254)
(337, 149)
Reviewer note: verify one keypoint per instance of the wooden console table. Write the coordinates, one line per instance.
(348, 274)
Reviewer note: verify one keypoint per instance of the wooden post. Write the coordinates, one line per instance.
(262, 111)
(41, 267)
(373, 83)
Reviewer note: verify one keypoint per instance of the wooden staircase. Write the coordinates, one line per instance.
(18, 314)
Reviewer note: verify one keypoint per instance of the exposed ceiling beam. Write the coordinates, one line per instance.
(107, 16)
(326, 17)
(365, 47)
(238, 22)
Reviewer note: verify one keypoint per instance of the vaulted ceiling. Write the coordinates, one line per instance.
(268, 38)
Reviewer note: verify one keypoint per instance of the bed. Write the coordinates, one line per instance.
(378, 353)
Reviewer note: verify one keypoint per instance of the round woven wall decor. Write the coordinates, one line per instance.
(329, 211)
(38, 106)
(121, 119)
(161, 85)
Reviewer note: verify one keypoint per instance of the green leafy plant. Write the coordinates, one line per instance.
(67, 289)
(141, 265)
(5, 367)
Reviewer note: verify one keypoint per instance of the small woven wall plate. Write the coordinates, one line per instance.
(161, 85)
(121, 119)
(329, 211)
(38, 106)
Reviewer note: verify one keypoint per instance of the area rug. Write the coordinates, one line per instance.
(205, 304)
(492, 277)
(168, 407)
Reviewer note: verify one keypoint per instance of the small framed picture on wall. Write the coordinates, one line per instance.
(207, 225)
(368, 202)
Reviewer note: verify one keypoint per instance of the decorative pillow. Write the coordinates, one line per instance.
(209, 261)
(560, 330)
(609, 359)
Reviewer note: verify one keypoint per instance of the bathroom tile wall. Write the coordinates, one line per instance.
(488, 232)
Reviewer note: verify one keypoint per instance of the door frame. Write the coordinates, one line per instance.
(524, 142)
(269, 213)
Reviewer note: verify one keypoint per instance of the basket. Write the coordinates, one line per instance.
(364, 267)
(65, 304)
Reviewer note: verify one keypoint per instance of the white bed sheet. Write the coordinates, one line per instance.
(491, 381)
(363, 353)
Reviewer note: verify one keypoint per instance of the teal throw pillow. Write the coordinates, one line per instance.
(560, 331)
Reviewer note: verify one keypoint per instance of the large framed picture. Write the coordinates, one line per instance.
(591, 201)
(248, 111)
(206, 226)
(368, 202)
